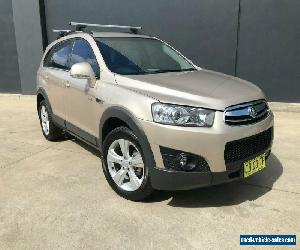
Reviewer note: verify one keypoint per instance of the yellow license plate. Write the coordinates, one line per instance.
(254, 165)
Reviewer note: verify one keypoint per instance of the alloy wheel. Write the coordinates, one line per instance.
(45, 120)
(125, 165)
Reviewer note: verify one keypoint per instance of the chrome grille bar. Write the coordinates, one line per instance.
(246, 113)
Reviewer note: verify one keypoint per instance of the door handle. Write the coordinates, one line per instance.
(98, 100)
(68, 85)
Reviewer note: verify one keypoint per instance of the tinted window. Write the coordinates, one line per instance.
(58, 56)
(82, 52)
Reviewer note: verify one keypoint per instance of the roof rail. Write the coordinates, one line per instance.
(82, 26)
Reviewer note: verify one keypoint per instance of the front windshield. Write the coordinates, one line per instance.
(136, 56)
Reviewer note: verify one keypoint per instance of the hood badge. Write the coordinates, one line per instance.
(252, 112)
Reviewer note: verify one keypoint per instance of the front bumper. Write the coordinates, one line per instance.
(175, 180)
(208, 143)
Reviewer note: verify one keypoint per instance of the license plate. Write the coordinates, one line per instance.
(254, 165)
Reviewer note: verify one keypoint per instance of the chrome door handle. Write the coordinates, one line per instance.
(68, 85)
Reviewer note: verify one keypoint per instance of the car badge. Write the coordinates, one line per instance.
(252, 112)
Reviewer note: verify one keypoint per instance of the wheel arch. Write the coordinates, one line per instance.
(124, 116)
(40, 96)
(128, 120)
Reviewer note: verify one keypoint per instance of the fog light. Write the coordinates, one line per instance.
(182, 161)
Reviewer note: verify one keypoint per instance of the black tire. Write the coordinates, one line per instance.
(55, 133)
(145, 189)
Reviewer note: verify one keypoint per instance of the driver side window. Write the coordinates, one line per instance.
(82, 52)
(58, 56)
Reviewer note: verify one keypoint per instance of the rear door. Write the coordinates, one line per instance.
(56, 74)
(80, 98)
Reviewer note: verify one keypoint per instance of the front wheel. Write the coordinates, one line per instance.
(124, 165)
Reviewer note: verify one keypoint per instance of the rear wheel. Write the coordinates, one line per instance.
(123, 165)
(49, 129)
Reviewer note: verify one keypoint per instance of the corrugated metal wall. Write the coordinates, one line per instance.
(267, 51)
(9, 68)
(206, 32)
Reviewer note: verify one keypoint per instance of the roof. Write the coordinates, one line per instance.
(117, 34)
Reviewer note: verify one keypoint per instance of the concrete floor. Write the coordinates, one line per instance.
(54, 195)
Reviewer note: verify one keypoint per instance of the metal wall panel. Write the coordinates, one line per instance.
(269, 47)
(9, 76)
(205, 31)
(29, 41)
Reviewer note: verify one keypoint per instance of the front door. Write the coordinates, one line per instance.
(80, 98)
(56, 71)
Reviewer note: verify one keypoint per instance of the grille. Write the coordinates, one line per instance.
(247, 113)
(246, 147)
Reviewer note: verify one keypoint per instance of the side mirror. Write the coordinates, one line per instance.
(83, 70)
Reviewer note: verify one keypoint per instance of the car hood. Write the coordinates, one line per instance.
(201, 88)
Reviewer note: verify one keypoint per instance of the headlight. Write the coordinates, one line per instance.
(182, 116)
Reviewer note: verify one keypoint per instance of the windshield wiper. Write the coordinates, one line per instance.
(190, 69)
(135, 73)
(169, 70)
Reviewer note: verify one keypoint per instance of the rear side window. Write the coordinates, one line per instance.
(82, 52)
(58, 56)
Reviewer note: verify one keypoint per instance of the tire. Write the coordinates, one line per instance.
(50, 131)
(128, 176)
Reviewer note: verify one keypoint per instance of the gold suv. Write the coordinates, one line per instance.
(159, 121)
